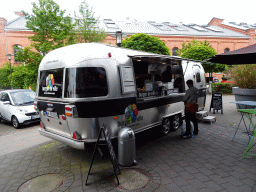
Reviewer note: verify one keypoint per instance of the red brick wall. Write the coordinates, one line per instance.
(10, 39)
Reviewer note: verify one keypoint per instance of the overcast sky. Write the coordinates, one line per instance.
(173, 11)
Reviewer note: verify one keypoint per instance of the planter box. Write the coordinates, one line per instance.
(244, 95)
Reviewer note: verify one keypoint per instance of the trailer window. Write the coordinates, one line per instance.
(198, 78)
(51, 83)
(85, 82)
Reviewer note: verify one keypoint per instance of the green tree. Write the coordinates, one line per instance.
(146, 43)
(200, 50)
(29, 72)
(192, 43)
(52, 29)
(87, 26)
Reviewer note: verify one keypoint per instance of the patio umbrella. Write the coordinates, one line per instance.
(246, 55)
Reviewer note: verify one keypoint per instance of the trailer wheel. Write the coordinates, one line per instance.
(166, 126)
(175, 122)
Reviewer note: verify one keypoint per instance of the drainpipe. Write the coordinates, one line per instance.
(6, 44)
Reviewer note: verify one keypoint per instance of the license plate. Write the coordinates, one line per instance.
(35, 116)
(52, 114)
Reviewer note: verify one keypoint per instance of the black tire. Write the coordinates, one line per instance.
(166, 126)
(15, 122)
(175, 123)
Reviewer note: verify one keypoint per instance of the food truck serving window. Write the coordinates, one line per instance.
(51, 83)
(85, 82)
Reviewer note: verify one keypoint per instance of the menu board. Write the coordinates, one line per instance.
(116, 168)
(111, 149)
(127, 79)
(216, 102)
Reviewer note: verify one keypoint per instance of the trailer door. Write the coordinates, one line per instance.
(199, 83)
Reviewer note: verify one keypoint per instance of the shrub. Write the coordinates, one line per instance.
(244, 76)
(225, 88)
(5, 80)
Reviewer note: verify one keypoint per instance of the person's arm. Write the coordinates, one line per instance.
(186, 97)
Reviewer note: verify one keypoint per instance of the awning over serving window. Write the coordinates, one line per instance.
(246, 55)
(161, 59)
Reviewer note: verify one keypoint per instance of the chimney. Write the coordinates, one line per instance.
(3, 23)
(19, 13)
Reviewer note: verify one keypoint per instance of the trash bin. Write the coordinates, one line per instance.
(126, 147)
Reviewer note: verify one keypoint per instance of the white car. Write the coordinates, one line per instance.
(16, 105)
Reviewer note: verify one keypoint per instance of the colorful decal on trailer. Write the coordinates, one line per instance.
(131, 113)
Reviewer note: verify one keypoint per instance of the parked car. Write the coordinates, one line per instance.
(16, 106)
(216, 80)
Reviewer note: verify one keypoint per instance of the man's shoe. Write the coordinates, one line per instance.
(184, 136)
(195, 133)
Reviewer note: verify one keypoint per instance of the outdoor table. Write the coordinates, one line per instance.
(249, 112)
(246, 103)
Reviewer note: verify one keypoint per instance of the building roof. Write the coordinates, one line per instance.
(152, 28)
(241, 25)
(18, 24)
(167, 29)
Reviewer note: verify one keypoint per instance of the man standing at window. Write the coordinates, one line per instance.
(191, 107)
(167, 75)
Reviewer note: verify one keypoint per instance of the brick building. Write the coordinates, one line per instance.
(222, 36)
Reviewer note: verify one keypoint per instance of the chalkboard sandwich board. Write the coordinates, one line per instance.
(114, 161)
(216, 102)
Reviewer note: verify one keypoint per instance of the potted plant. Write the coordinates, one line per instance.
(245, 80)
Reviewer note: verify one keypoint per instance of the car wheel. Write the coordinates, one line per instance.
(15, 122)
(175, 122)
(166, 126)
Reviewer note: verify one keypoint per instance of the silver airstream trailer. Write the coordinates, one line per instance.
(82, 86)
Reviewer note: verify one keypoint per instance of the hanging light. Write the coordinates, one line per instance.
(119, 38)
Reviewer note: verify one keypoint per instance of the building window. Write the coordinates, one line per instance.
(226, 50)
(175, 51)
(16, 50)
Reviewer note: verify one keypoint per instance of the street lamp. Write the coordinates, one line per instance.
(9, 58)
(119, 38)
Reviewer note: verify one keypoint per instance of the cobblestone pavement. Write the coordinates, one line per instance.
(210, 161)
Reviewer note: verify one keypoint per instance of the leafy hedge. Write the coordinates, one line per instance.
(225, 88)
(23, 77)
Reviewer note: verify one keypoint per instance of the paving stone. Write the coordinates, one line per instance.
(247, 181)
(180, 181)
(201, 177)
(209, 166)
(213, 186)
(230, 187)
(177, 168)
(206, 171)
(220, 172)
(173, 188)
(166, 180)
(218, 179)
(196, 164)
(171, 173)
(185, 175)
(8, 173)
(233, 181)
(189, 188)
(245, 188)
(191, 169)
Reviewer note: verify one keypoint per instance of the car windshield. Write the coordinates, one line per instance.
(23, 97)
